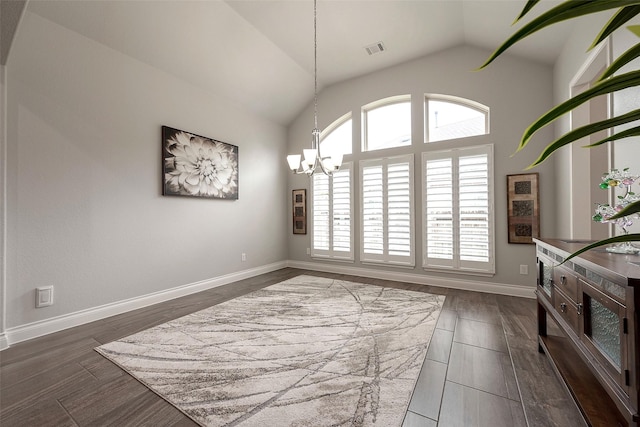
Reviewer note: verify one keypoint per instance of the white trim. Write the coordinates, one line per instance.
(3, 206)
(4, 343)
(55, 324)
(443, 282)
(592, 65)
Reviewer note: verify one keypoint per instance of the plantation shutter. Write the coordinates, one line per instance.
(321, 211)
(473, 184)
(439, 210)
(372, 210)
(387, 210)
(332, 207)
(458, 209)
(342, 211)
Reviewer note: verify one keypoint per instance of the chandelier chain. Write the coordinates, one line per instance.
(313, 159)
(315, 65)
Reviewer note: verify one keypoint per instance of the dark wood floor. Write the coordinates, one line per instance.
(482, 367)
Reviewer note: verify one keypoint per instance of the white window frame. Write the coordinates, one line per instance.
(335, 125)
(456, 265)
(464, 102)
(385, 102)
(332, 254)
(386, 258)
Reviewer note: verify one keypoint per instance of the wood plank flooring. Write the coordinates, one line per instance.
(482, 367)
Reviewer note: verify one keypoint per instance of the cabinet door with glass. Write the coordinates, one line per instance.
(605, 332)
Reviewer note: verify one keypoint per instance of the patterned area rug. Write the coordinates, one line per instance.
(309, 351)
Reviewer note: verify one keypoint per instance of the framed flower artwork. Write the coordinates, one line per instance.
(523, 207)
(197, 166)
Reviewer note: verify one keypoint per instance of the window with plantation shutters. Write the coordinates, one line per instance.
(386, 188)
(331, 215)
(458, 209)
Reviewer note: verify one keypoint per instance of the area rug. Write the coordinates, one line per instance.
(309, 351)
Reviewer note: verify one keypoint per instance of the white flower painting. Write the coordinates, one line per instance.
(197, 166)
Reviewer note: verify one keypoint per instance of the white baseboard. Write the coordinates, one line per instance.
(4, 343)
(59, 323)
(445, 282)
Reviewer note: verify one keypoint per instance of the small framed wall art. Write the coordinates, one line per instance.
(197, 166)
(299, 200)
(523, 207)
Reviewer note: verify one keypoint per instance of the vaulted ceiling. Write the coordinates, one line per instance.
(259, 53)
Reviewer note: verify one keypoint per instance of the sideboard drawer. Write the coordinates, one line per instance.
(567, 282)
(567, 309)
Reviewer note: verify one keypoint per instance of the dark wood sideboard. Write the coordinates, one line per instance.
(594, 300)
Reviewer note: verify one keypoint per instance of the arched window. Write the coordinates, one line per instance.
(386, 123)
(337, 137)
(449, 117)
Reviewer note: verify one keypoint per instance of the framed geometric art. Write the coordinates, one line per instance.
(523, 207)
(299, 199)
(197, 166)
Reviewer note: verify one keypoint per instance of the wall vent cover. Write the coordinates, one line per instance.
(375, 48)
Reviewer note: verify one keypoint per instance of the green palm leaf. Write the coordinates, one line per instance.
(619, 19)
(630, 209)
(635, 29)
(621, 61)
(583, 131)
(634, 131)
(527, 7)
(568, 10)
(635, 237)
(610, 85)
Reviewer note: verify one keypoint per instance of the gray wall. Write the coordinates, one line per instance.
(517, 91)
(85, 210)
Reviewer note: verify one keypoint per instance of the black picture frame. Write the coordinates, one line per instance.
(523, 210)
(198, 166)
(299, 210)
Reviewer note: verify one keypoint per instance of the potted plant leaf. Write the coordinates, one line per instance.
(607, 83)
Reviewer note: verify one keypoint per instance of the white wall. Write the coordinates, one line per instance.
(85, 210)
(517, 91)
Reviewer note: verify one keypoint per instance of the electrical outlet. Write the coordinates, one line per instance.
(524, 269)
(308, 251)
(244, 257)
(44, 296)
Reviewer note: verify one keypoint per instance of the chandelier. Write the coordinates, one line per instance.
(312, 159)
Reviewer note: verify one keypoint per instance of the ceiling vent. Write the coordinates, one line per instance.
(375, 48)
